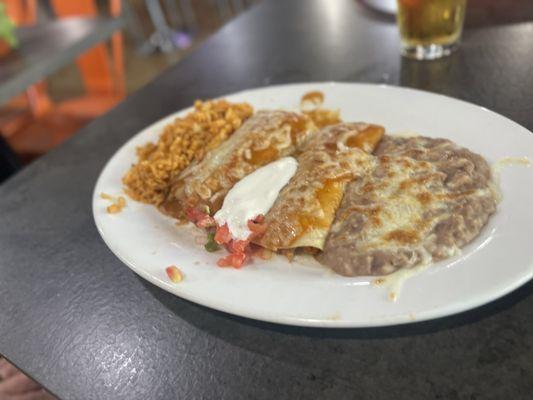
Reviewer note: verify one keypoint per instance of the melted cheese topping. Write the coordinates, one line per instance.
(500, 164)
(407, 207)
(509, 161)
(394, 282)
(400, 201)
(307, 205)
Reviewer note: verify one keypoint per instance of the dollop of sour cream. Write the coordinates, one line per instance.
(253, 195)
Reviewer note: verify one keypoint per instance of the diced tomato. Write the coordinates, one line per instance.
(237, 246)
(240, 250)
(174, 274)
(190, 213)
(224, 261)
(235, 260)
(200, 218)
(222, 234)
(205, 221)
(194, 215)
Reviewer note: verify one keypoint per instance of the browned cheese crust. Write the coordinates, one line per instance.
(425, 199)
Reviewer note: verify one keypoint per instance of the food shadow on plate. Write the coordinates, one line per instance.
(224, 325)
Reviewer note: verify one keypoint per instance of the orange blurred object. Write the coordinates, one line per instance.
(39, 123)
(22, 12)
(5, 49)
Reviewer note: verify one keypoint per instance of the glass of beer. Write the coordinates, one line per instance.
(430, 29)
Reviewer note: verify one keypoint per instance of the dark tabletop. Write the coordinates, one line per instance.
(81, 323)
(45, 48)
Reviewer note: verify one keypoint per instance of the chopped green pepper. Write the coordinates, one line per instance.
(211, 245)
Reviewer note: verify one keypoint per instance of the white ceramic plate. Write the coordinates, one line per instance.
(498, 261)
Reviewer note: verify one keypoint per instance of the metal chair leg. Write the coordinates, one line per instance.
(162, 37)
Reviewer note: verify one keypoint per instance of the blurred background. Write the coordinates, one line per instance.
(65, 62)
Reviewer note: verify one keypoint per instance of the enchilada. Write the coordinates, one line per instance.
(306, 207)
(263, 138)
